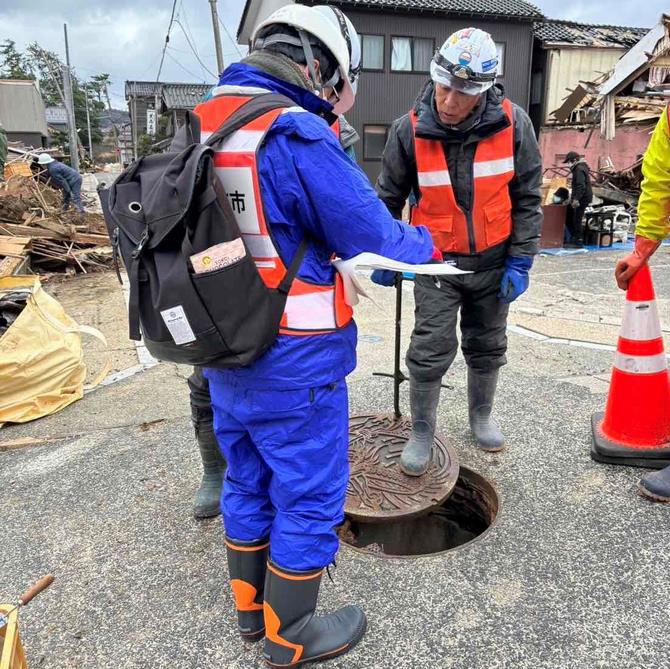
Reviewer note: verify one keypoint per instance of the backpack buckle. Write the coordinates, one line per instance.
(141, 244)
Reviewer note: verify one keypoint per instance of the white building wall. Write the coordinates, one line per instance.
(566, 67)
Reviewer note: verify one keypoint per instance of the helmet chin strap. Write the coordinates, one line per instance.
(309, 57)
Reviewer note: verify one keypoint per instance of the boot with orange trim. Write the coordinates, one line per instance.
(293, 633)
(247, 562)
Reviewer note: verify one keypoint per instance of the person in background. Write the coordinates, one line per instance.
(471, 158)
(64, 177)
(581, 197)
(653, 226)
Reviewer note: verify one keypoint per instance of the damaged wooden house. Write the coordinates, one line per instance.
(609, 113)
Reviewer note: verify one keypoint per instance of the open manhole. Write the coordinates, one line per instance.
(467, 515)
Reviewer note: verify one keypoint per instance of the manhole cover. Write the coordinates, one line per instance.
(465, 517)
(378, 491)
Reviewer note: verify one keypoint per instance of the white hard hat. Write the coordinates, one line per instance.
(350, 36)
(467, 61)
(307, 21)
(45, 159)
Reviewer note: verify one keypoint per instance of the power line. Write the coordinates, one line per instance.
(183, 13)
(167, 39)
(176, 62)
(193, 49)
(233, 42)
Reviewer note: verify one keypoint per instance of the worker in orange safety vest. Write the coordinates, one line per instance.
(470, 159)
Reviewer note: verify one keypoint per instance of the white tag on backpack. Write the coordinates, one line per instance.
(178, 325)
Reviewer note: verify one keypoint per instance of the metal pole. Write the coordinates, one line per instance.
(217, 36)
(88, 125)
(116, 130)
(398, 376)
(69, 97)
(134, 127)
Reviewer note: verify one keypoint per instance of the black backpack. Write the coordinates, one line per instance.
(162, 210)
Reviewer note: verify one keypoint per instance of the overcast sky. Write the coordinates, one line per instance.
(125, 37)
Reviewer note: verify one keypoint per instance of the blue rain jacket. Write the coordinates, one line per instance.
(63, 176)
(311, 188)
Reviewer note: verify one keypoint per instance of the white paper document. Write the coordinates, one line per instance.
(352, 286)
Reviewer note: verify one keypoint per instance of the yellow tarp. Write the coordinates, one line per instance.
(42, 368)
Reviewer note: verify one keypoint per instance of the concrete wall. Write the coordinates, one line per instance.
(34, 139)
(624, 150)
(567, 67)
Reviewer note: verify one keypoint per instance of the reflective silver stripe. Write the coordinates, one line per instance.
(640, 364)
(641, 321)
(293, 109)
(438, 178)
(204, 136)
(241, 141)
(491, 168)
(260, 246)
(238, 90)
(314, 311)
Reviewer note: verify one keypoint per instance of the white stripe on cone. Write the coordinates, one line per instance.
(641, 321)
(640, 364)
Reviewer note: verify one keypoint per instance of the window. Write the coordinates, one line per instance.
(372, 52)
(411, 54)
(500, 46)
(374, 141)
(536, 87)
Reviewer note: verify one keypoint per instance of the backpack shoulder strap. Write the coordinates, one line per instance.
(249, 111)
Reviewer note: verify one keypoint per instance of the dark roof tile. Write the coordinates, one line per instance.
(588, 35)
(184, 96)
(500, 8)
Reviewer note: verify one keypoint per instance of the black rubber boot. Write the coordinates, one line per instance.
(424, 397)
(293, 633)
(656, 485)
(481, 391)
(247, 562)
(208, 497)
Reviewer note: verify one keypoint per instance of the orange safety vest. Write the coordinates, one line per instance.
(310, 308)
(491, 216)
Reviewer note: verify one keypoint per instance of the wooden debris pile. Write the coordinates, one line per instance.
(34, 230)
(638, 109)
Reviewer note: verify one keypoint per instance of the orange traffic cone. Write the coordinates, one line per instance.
(635, 428)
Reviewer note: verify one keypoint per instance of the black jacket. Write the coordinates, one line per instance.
(399, 172)
(581, 183)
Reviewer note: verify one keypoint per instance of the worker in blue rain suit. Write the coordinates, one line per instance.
(282, 422)
(208, 496)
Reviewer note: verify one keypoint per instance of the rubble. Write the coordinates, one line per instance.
(35, 232)
(634, 92)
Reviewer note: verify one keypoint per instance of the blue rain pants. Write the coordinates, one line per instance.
(288, 467)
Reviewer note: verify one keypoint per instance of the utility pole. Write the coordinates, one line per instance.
(116, 130)
(69, 104)
(88, 125)
(217, 36)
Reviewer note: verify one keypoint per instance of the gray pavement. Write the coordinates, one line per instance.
(574, 573)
